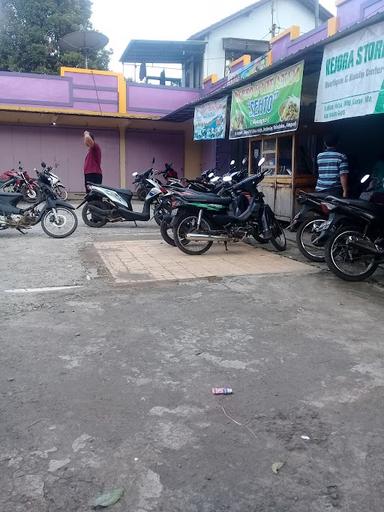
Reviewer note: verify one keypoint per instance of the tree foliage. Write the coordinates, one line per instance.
(30, 31)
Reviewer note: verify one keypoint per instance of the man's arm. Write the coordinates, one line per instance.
(344, 184)
(344, 175)
(88, 140)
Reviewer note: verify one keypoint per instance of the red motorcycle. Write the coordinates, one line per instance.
(20, 182)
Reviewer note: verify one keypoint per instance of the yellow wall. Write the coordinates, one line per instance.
(193, 153)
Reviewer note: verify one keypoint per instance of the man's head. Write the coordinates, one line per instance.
(331, 140)
(89, 139)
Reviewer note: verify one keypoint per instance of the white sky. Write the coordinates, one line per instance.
(123, 20)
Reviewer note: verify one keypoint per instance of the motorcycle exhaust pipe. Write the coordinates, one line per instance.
(99, 211)
(198, 237)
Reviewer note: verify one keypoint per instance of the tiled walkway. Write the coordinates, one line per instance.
(152, 260)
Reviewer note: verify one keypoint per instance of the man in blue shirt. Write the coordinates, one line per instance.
(333, 169)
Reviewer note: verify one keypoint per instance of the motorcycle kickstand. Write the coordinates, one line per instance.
(21, 231)
(226, 246)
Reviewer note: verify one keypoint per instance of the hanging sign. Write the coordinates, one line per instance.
(352, 76)
(270, 105)
(210, 120)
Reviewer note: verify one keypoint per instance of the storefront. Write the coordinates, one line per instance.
(350, 99)
(268, 114)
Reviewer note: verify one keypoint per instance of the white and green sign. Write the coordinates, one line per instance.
(270, 105)
(210, 120)
(352, 76)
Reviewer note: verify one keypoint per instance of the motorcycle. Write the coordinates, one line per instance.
(208, 182)
(20, 182)
(141, 180)
(107, 204)
(202, 219)
(355, 245)
(310, 223)
(57, 217)
(55, 181)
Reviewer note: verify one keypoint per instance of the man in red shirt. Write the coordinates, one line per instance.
(92, 164)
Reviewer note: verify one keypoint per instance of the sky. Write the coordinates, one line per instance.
(123, 20)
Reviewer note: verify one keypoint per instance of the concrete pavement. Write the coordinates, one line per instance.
(106, 386)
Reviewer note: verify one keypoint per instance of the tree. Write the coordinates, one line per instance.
(30, 31)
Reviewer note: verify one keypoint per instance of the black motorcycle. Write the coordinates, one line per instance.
(355, 243)
(57, 217)
(105, 204)
(202, 219)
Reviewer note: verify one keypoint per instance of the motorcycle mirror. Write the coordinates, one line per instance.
(365, 178)
(244, 160)
(43, 165)
(153, 160)
(232, 162)
(211, 175)
(261, 161)
(227, 179)
(134, 174)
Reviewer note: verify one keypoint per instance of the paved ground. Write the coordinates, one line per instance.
(106, 385)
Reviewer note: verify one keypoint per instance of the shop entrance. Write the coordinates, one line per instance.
(279, 154)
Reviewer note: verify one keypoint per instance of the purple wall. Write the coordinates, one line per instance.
(353, 11)
(284, 46)
(29, 89)
(74, 91)
(32, 145)
(94, 92)
(142, 146)
(208, 156)
(157, 99)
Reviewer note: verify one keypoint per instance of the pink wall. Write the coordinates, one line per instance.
(32, 145)
(142, 146)
(158, 99)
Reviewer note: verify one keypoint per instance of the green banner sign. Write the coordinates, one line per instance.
(271, 105)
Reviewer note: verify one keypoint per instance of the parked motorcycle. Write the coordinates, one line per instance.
(20, 182)
(55, 181)
(355, 245)
(307, 222)
(310, 223)
(57, 217)
(107, 204)
(205, 218)
(208, 182)
(141, 179)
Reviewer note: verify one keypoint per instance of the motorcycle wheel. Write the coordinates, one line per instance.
(304, 239)
(61, 192)
(347, 262)
(60, 226)
(141, 193)
(31, 194)
(185, 224)
(160, 210)
(278, 239)
(166, 231)
(92, 220)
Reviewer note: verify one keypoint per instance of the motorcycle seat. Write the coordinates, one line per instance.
(377, 209)
(208, 198)
(122, 191)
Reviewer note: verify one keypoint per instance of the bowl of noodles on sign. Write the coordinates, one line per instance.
(290, 109)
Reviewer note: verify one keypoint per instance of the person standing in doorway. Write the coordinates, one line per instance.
(92, 163)
(333, 169)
